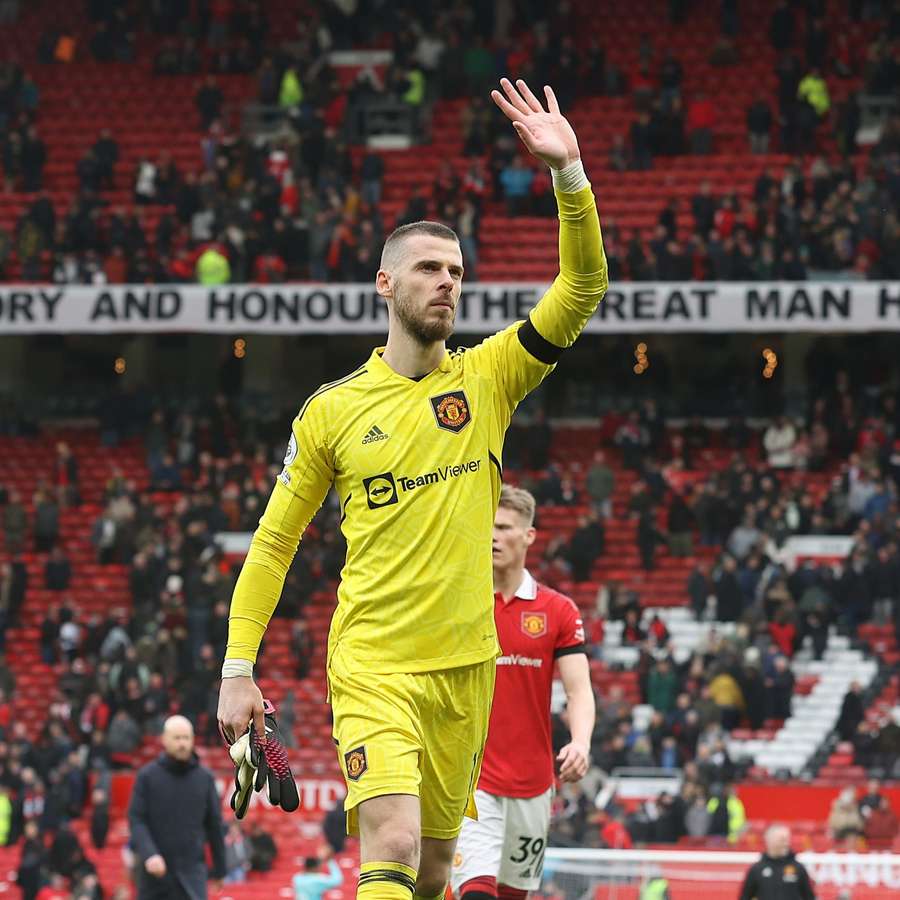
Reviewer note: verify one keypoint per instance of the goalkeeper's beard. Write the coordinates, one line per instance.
(414, 323)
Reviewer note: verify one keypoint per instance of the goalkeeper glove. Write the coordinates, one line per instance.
(258, 764)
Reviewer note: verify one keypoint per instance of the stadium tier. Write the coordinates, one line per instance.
(726, 521)
(155, 118)
(802, 742)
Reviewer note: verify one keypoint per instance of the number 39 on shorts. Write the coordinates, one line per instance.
(530, 851)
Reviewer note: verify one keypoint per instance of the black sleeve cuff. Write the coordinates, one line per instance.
(537, 345)
(568, 651)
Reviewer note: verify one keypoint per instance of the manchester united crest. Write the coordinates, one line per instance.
(356, 763)
(451, 411)
(534, 624)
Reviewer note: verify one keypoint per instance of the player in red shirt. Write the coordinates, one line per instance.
(501, 855)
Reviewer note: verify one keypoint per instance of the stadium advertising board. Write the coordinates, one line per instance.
(713, 874)
(643, 307)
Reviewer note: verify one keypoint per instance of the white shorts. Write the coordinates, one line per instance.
(507, 842)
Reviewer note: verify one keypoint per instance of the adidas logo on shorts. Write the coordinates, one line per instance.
(375, 434)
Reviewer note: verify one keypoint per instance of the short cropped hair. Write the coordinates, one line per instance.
(395, 240)
(518, 500)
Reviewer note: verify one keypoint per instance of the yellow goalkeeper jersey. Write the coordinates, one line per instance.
(417, 466)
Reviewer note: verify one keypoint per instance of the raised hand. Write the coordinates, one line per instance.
(546, 133)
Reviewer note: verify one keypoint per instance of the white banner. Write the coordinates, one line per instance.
(707, 870)
(641, 307)
(819, 546)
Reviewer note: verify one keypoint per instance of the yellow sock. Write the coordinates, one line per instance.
(385, 881)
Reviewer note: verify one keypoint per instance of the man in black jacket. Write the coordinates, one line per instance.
(174, 810)
(777, 875)
(853, 711)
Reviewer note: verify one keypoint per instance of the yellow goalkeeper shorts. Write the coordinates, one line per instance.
(421, 734)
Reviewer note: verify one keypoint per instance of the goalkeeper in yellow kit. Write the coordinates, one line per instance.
(412, 443)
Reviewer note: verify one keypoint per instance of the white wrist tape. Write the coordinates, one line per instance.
(237, 668)
(571, 179)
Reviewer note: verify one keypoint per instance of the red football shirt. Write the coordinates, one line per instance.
(535, 627)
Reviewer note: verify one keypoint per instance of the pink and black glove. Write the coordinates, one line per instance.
(258, 764)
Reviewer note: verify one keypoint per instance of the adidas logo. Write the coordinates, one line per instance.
(375, 434)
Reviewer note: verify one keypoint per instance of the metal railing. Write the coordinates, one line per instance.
(375, 120)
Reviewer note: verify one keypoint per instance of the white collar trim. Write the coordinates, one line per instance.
(527, 590)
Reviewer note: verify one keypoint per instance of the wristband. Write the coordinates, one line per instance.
(571, 179)
(237, 668)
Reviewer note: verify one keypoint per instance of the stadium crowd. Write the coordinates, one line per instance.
(590, 814)
(301, 206)
(811, 219)
(304, 207)
(211, 468)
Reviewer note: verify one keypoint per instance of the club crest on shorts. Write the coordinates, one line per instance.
(534, 624)
(451, 410)
(356, 763)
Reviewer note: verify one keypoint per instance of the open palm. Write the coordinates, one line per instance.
(546, 133)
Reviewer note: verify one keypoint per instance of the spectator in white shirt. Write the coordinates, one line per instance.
(145, 182)
(779, 441)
